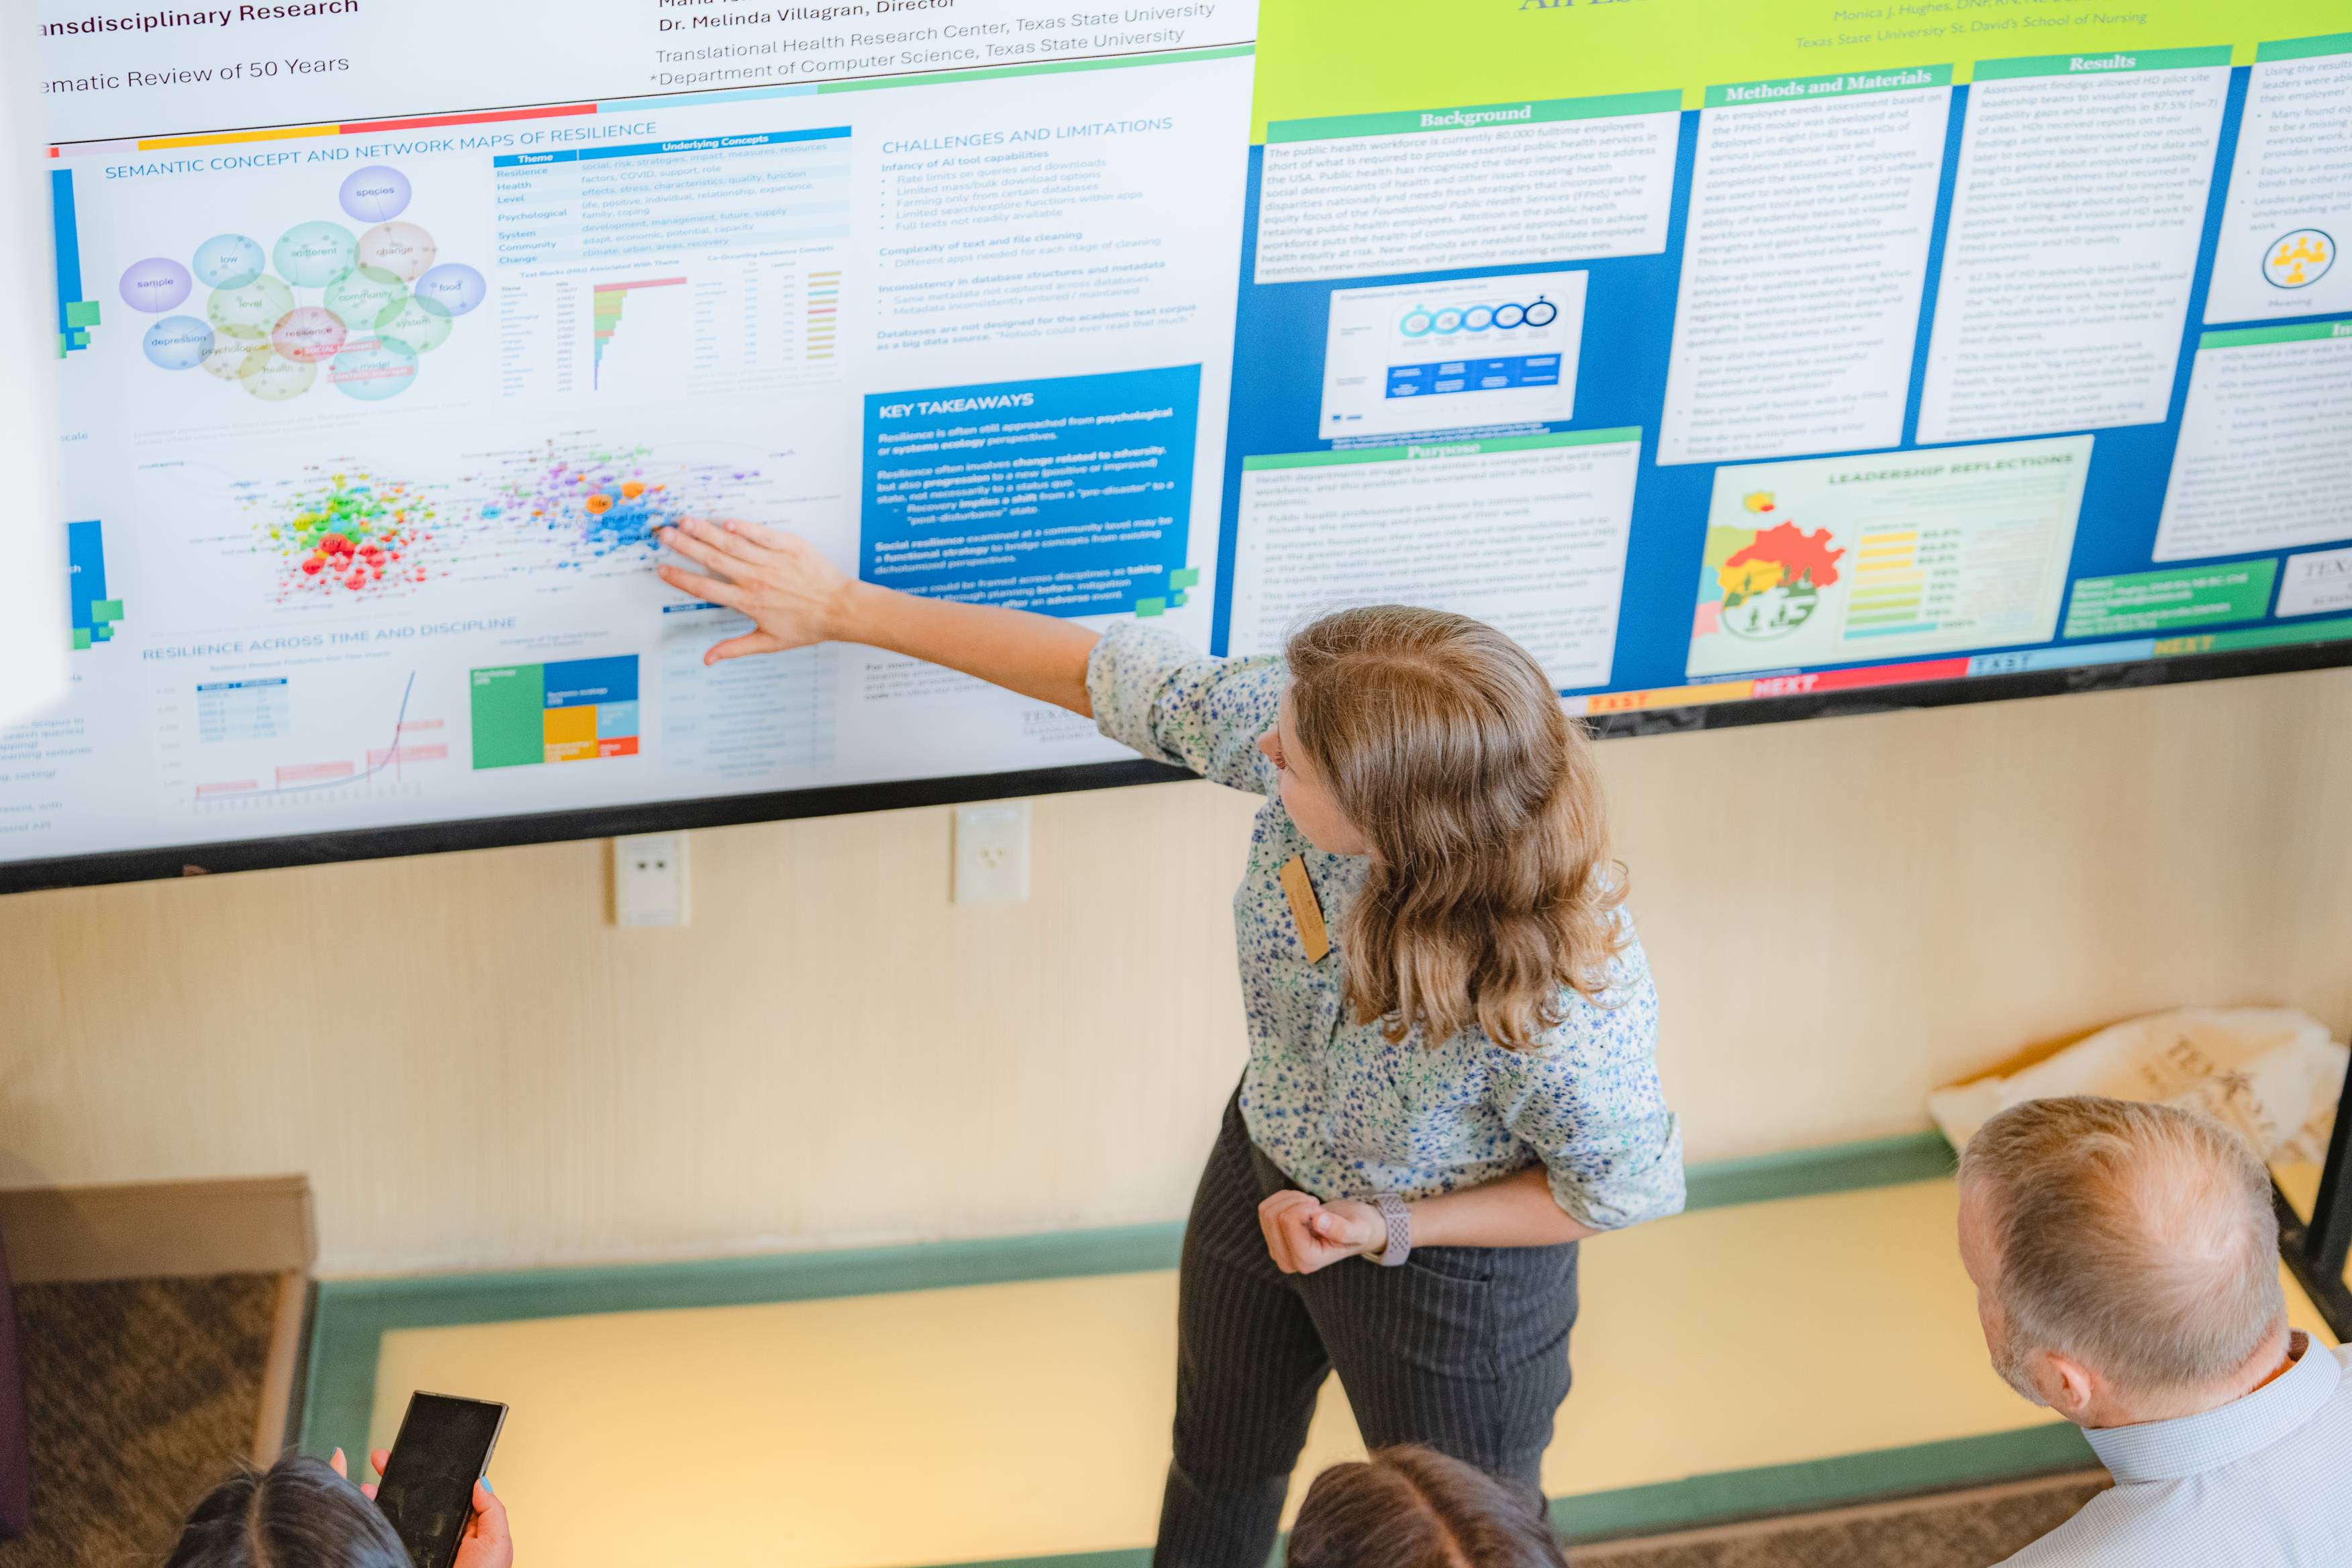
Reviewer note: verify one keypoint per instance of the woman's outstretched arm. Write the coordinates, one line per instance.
(797, 597)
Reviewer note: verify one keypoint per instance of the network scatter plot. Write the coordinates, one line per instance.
(347, 533)
(605, 502)
(382, 299)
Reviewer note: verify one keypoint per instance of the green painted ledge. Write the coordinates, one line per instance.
(1808, 1172)
(1834, 1482)
(1730, 1495)
(352, 1316)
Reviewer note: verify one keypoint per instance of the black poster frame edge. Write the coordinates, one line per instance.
(838, 800)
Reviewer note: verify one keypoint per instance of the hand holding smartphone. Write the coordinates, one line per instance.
(427, 1490)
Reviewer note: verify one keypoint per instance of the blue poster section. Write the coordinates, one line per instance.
(76, 315)
(583, 682)
(1629, 314)
(1067, 495)
(95, 615)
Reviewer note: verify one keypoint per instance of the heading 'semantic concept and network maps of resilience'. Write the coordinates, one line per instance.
(1715, 354)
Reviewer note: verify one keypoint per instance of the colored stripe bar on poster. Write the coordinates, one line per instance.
(1928, 671)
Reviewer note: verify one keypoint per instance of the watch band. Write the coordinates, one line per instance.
(1399, 1224)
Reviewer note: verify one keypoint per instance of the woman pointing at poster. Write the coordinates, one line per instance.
(1452, 1028)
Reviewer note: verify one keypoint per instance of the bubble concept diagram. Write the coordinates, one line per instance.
(178, 343)
(156, 285)
(383, 298)
(1448, 320)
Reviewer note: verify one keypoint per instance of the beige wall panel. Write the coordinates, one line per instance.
(476, 1069)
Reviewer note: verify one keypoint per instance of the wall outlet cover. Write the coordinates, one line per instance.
(991, 853)
(649, 880)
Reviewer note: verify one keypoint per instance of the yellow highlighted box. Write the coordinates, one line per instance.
(214, 138)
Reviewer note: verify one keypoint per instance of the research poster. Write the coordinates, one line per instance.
(382, 356)
(1898, 343)
(1715, 353)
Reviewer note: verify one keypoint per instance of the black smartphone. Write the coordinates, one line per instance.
(427, 1492)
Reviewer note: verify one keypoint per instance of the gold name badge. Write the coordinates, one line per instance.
(1305, 909)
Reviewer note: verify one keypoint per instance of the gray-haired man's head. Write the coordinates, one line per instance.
(2125, 1255)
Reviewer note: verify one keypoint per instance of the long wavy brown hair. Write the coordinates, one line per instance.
(1490, 892)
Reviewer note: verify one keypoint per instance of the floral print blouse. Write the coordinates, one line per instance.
(1343, 1111)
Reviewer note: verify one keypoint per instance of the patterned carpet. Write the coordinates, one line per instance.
(1959, 1529)
(139, 1394)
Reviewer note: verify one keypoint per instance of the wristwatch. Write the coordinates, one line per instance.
(1399, 1224)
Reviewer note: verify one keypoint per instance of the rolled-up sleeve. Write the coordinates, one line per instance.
(1175, 704)
(1587, 1101)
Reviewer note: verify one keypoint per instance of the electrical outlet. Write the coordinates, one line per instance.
(991, 853)
(649, 880)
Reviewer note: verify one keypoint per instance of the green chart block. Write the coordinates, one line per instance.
(510, 716)
(81, 313)
(2173, 601)
(80, 638)
(1184, 577)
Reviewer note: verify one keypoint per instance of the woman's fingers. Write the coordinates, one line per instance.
(1270, 1222)
(698, 550)
(1307, 1250)
(1274, 1243)
(717, 589)
(758, 534)
(727, 539)
(1282, 1217)
(739, 648)
(378, 1459)
(1350, 1225)
(335, 1462)
(487, 1544)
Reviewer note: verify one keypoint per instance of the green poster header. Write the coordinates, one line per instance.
(1322, 59)
(2246, 337)
(1422, 450)
(1845, 84)
(1533, 111)
(2112, 62)
(2305, 49)
(2165, 600)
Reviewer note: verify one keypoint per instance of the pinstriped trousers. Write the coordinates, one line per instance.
(1464, 1349)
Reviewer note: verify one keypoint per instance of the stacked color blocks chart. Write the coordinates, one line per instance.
(1740, 364)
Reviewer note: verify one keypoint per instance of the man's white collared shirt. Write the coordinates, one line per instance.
(2265, 1481)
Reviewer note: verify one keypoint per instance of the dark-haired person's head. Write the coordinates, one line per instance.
(1414, 1508)
(298, 1513)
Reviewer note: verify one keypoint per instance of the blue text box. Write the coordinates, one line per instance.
(1067, 495)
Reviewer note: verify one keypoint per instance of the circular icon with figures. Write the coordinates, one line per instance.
(2298, 260)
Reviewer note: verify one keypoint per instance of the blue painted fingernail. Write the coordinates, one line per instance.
(486, 1484)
